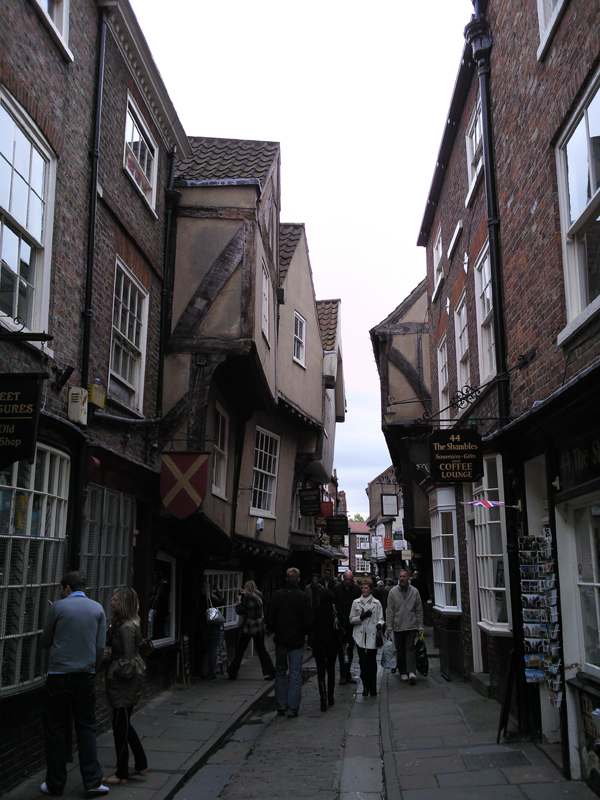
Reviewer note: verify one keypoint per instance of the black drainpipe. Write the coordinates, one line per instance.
(91, 249)
(479, 36)
(171, 198)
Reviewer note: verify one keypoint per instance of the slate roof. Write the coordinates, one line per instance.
(228, 159)
(328, 323)
(289, 236)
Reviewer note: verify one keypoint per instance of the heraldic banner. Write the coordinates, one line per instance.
(183, 480)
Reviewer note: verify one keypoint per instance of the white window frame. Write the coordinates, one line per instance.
(362, 541)
(43, 245)
(361, 564)
(165, 641)
(299, 353)
(264, 479)
(461, 330)
(443, 380)
(474, 146)
(580, 309)
(549, 14)
(490, 523)
(484, 305)
(266, 300)
(444, 550)
(438, 265)
(144, 183)
(137, 353)
(228, 581)
(220, 448)
(55, 17)
(33, 549)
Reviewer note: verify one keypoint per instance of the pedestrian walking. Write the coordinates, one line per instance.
(209, 632)
(328, 581)
(345, 593)
(75, 629)
(250, 608)
(404, 618)
(326, 638)
(289, 615)
(124, 682)
(380, 592)
(367, 618)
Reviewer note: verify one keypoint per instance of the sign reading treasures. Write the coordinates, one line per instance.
(455, 456)
(19, 416)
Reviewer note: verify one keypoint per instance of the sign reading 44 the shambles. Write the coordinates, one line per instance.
(19, 415)
(455, 456)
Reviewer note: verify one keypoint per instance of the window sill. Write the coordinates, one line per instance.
(551, 28)
(299, 363)
(55, 34)
(257, 512)
(124, 406)
(159, 644)
(448, 611)
(148, 204)
(219, 494)
(575, 325)
(437, 289)
(494, 629)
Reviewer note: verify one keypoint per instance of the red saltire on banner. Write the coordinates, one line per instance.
(483, 503)
(183, 480)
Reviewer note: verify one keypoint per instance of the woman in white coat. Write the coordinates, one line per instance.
(366, 615)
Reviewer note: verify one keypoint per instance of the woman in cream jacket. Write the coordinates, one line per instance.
(366, 615)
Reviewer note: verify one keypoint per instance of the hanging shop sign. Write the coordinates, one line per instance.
(336, 528)
(19, 416)
(389, 505)
(388, 544)
(580, 462)
(183, 481)
(310, 502)
(455, 456)
(327, 508)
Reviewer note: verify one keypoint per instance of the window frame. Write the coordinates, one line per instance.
(485, 318)
(443, 380)
(43, 246)
(299, 340)
(234, 580)
(149, 192)
(486, 561)
(220, 453)
(438, 262)
(474, 149)
(362, 541)
(271, 491)
(579, 310)
(57, 24)
(443, 502)
(361, 564)
(266, 301)
(461, 331)
(165, 641)
(36, 582)
(136, 388)
(548, 20)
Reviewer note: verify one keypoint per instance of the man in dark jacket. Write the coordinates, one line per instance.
(327, 580)
(345, 593)
(290, 616)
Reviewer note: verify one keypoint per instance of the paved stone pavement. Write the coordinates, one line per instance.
(223, 739)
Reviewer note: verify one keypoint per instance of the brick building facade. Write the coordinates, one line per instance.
(514, 294)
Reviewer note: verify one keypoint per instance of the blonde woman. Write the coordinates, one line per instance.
(366, 615)
(250, 607)
(124, 682)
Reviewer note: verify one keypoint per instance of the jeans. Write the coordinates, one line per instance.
(261, 651)
(288, 678)
(368, 669)
(72, 693)
(405, 651)
(126, 737)
(209, 635)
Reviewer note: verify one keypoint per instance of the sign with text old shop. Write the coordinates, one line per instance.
(19, 416)
(455, 456)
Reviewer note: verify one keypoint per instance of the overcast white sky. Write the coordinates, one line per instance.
(357, 95)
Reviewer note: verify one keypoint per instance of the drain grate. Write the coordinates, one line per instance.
(513, 758)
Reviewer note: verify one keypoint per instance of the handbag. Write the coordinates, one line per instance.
(421, 654)
(378, 638)
(213, 615)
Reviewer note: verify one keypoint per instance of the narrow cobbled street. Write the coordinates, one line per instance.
(223, 739)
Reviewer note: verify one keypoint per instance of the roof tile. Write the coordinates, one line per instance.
(289, 236)
(228, 159)
(328, 322)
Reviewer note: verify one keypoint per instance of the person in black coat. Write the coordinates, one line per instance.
(326, 643)
(290, 617)
(345, 593)
(328, 581)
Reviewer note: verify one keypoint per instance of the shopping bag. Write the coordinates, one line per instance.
(421, 654)
(388, 655)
